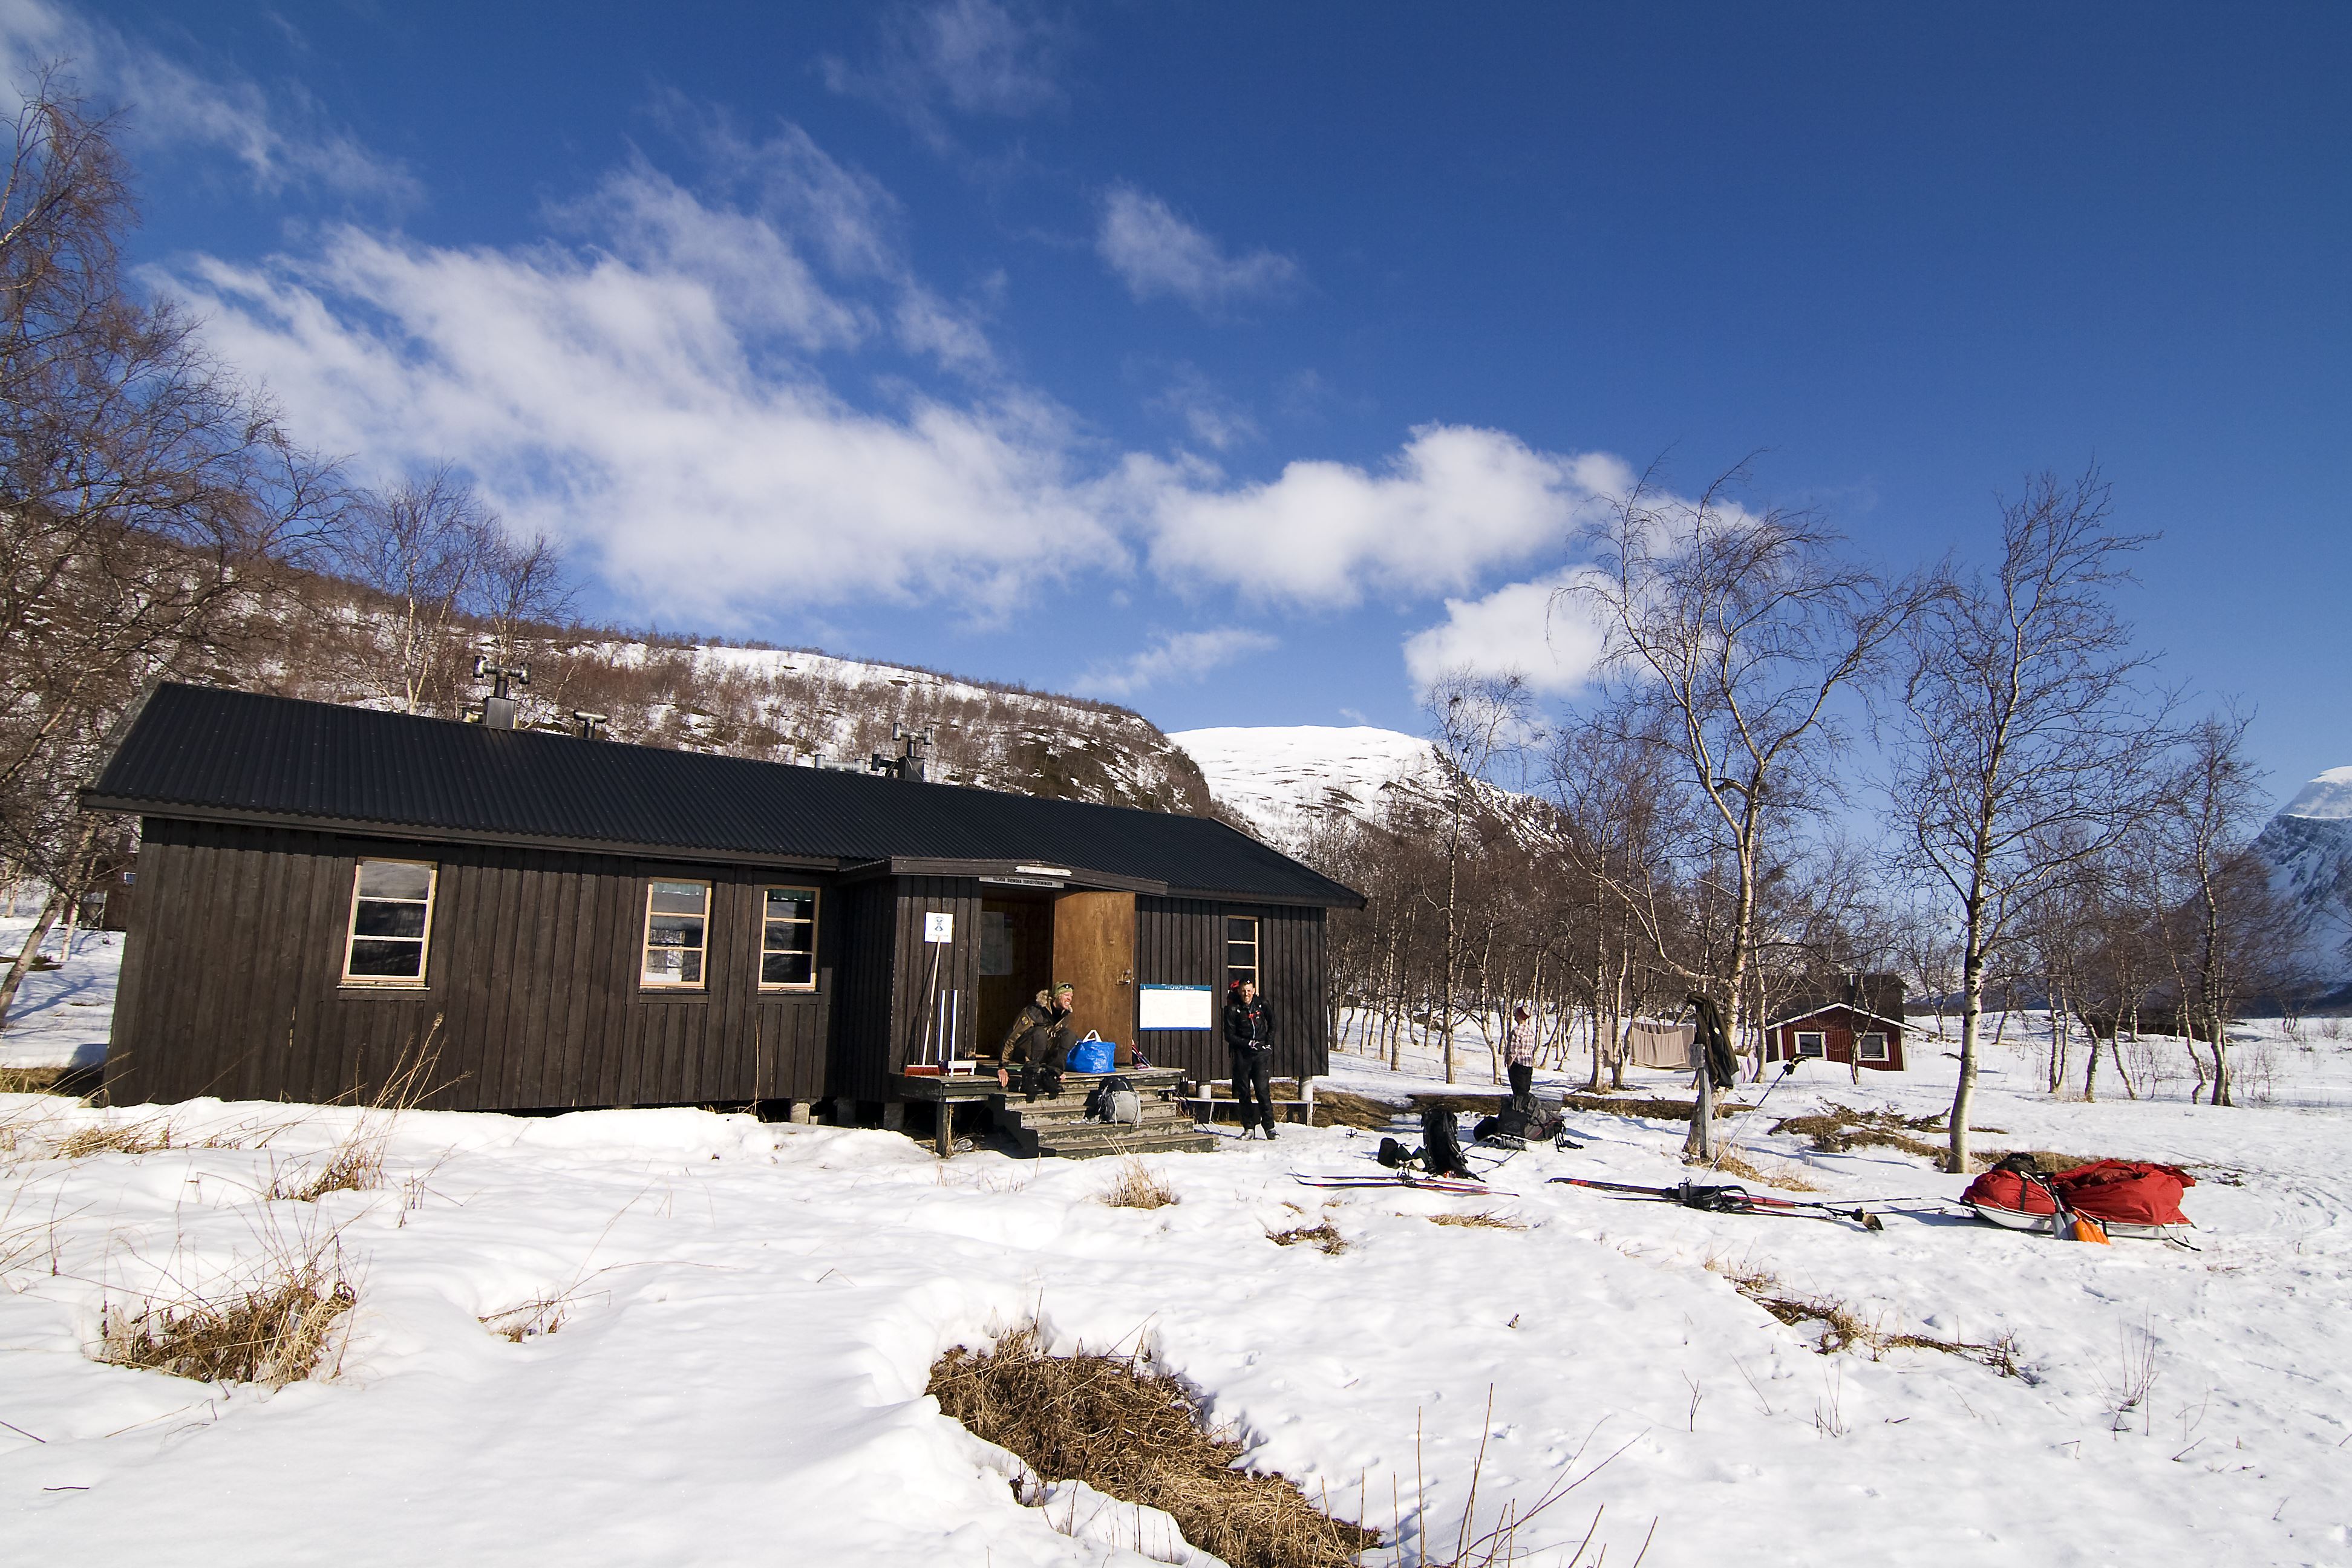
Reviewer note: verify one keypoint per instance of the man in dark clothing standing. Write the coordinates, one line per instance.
(1249, 1036)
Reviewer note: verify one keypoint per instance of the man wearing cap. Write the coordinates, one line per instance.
(1040, 1040)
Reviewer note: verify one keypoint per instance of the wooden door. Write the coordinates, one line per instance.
(1094, 950)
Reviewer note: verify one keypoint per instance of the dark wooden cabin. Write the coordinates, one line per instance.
(326, 892)
(1856, 1020)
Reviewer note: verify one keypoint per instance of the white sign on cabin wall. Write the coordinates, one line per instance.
(1175, 1007)
(938, 926)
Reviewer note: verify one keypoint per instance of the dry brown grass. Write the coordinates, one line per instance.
(2047, 1162)
(1135, 1434)
(276, 1328)
(31, 1081)
(1482, 1220)
(1779, 1174)
(116, 1137)
(1322, 1236)
(353, 1165)
(1138, 1186)
(1337, 1107)
(1842, 1327)
(530, 1319)
(1652, 1109)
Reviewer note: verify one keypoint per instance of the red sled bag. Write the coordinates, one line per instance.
(2126, 1192)
(2005, 1189)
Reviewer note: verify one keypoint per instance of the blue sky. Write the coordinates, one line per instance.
(1238, 362)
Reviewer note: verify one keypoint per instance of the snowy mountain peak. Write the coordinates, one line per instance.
(1280, 777)
(2327, 797)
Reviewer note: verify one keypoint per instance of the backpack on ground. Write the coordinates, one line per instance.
(1440, 1147)
(1116, 1100)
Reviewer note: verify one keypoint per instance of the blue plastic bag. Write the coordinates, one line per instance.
(1091, 1055)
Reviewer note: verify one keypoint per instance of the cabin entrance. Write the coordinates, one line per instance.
(1028, 942)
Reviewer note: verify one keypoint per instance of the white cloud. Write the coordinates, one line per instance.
(1527, 628)
(281, 135)
(1456, 502)
(1157, 254)
(975, 56)
(661, 388)
(1181, 655)
(657, 400)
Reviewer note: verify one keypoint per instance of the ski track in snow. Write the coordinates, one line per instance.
(752, 1311)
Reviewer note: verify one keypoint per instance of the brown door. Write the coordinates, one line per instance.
(1094, 950)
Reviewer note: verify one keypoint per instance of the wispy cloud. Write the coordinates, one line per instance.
(1207, 415)
(1159, 255)
(1175, 657)
(965, 57)
(278, 133)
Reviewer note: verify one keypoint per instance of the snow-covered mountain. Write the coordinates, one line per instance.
(1283, 779)
(2308, 848)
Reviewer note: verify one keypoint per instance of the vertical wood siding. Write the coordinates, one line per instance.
(232, 971)
(1181, 941)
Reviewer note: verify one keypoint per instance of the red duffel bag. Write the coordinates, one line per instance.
(2003, 1189)
(2130, 1192)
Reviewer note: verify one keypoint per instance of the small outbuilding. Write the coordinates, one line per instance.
(327, 893)
(1856, 1020)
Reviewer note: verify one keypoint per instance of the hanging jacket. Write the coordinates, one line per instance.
(1714, 1042)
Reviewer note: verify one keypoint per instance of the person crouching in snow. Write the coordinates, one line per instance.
(1519, 1055)
(1040, 1040)
(1249, 1036)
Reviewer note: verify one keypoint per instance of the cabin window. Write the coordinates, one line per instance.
(995, 944)
(1241, 949)
(678, 922)
(392, 918)
(1811, 1044)
(1870, 1048)
(788, 938)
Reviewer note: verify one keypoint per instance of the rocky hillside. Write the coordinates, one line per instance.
(774, 704)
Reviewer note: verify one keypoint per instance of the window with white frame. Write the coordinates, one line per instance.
(788, 938)
(1870, 1048)
(677, 926)
(1812, 1043)
(1241, 949)
(391, 923)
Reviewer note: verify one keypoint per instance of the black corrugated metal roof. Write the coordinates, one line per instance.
(201, 752)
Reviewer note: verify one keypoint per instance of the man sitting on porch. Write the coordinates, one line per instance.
(1040, 1040)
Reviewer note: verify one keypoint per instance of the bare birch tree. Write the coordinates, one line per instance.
(1731, 635)
(1474, 721)
(2027, 739)
(2212, 801)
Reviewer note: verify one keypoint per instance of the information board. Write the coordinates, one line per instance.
(1176, 1007)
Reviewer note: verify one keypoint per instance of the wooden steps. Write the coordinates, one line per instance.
(1057, 1125)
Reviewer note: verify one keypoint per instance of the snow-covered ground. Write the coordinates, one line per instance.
(60, 1015)
(748, 1314)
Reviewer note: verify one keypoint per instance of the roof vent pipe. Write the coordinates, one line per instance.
(497, 708)
(590, 723)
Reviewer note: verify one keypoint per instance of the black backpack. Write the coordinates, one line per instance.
(1440, 1147)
